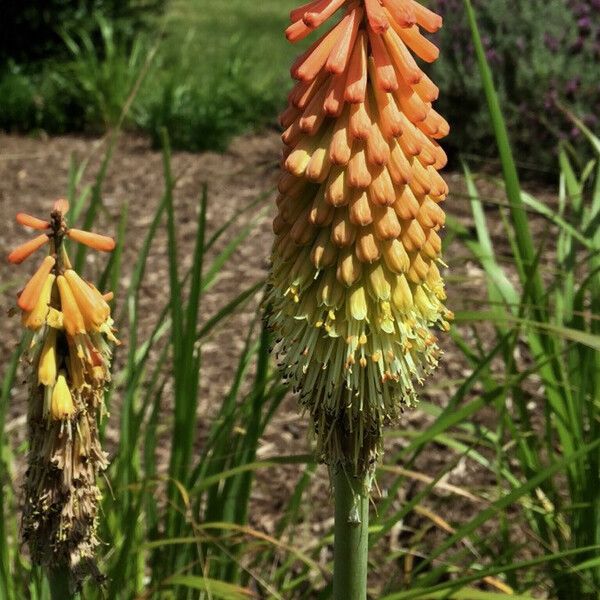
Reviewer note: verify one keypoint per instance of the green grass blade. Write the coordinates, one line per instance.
(506, 501)
(511, 178)
(212, 587)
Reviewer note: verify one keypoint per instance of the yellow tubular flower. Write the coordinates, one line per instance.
(47, 364)
(92, 306)
(354, 288)
(75, 368)
(31, 292)
(37, 317)
(72, 317)
(61, 406)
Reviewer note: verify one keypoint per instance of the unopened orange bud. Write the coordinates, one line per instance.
(18, 255)
(93, 240)
(33, 222)
(62, 206)
(32, 291)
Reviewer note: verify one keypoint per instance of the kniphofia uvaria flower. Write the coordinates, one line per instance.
(355, 287)
(69, 359)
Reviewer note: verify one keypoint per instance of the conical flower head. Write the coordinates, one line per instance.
(70, 359)
(355, 288)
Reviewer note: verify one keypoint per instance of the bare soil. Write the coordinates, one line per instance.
(34, 171)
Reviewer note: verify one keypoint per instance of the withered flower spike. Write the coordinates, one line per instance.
(69, 362)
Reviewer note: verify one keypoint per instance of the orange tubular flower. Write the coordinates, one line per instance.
(354, 286)
(70, 358)
(33, 222)
(18, 255)
(31, 293)
(93, 240)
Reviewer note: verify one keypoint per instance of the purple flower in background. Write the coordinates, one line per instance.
(551, 42)
(492, 56)
(573, 85)
(543, 54)
(577, 45)
(585, 25)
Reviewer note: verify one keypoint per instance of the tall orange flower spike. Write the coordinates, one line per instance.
(70, 360)
(355, 288)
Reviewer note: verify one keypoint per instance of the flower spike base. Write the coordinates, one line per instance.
(355, 289)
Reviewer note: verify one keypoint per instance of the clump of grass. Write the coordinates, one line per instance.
(203, 91)
(203, 111)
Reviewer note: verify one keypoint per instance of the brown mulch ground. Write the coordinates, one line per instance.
(33, 172)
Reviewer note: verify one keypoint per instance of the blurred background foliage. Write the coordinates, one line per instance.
(543, 55)
(211, 73)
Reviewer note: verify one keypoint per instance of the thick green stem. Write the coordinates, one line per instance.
(60, 584)
(351, 537)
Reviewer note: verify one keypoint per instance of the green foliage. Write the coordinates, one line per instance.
(101, 76)
(34, 101)
(541, 53)
(203, 109)
(218, 73)
(554, 325)
(202, 87)
(90, 91)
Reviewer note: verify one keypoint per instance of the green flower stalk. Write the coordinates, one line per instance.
(69, 361)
